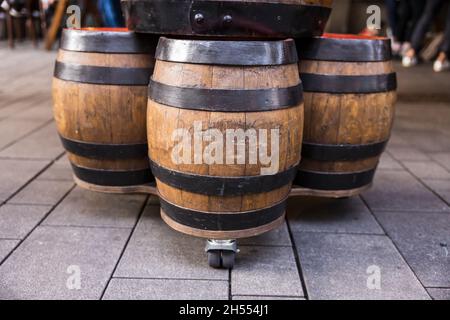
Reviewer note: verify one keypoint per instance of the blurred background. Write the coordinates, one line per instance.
(417, 27)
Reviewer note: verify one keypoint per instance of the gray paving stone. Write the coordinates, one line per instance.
(424, 241)
(153, 201)
(336, 267)
(46, 264)
(157, 289)
(42, 144)
(431, 141)
(13, 108)
(6, 246)
(14, 174)
(42, 192)
(13, 130)
(389, 163)
(400, 191)
(407, 153)
(420, 116)
(331, 215)
(261, 298)
(413, 88)
(427, 170)
(439, 294)
(441, 187)
(266, 271)
(16, 221)
(277, 237)
(442, 158)
(397, 141)
(156, 251)
(90, 209)
(42, 111)
(61, 170)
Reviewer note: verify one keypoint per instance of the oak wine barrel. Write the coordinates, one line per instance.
(100, 102)
(229, 18)
(215, 112)
(350, 95)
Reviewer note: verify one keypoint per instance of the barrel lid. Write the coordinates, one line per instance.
(224, 18)
(107, 40)
(345, 48)
(237, 53)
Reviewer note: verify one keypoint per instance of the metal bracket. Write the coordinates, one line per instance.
(221, 245)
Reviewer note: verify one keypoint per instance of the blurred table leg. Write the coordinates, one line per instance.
(56, 23)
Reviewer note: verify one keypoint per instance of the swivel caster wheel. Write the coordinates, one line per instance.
(215, 259)
(228, 259)
(221, 253)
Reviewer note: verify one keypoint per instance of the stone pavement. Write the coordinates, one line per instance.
(52, 231)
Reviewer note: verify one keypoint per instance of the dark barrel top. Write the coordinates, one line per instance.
(107, 40)
(345, 48)
(239, 53)
(239, 18)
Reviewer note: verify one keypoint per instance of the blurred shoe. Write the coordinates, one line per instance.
(409, 61)
(396, 48)
(4, 5)
(440, 66)
(406, 46)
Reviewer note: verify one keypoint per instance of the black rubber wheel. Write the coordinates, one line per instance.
(228, 259)
(214, 259)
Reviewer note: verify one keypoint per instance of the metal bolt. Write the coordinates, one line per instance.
(227, 19)
(199, 18)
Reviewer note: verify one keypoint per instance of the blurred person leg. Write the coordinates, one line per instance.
(391, 6)
(404, 17)
(416, 10)
(423, 26)
(442, 63)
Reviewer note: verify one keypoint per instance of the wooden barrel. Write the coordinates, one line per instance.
(225, 125)
(350, 95)
(100, 103)
(229, 18)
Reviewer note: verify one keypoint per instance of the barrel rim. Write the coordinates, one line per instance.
(227, 52)
(342, 152)
(107, 40)
(358, 84)
(277, 203)
(223, 221)
(345, 48)
(102, 75)
(334, 181)
(223, 185)
(113, 178)
(104, 151)
(226, 100)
